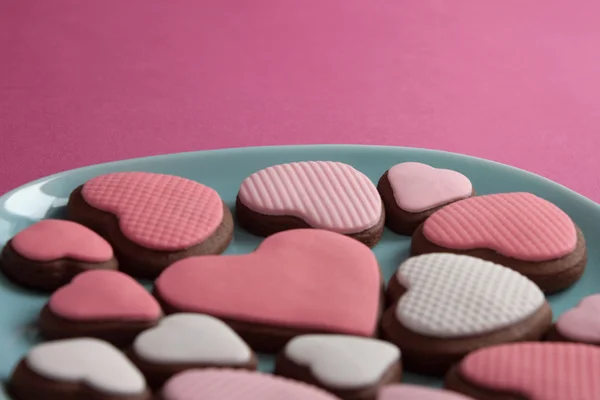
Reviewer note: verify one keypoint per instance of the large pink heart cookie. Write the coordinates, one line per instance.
(580, 324)
(317, 194)
(104, 304)
(153, 219)
(49, 253)
(297, 281)
(412, 191)
(518, 230)
(529, 371)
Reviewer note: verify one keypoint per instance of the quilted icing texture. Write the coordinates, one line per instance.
(419, 187)
(582, 324)
(326, 195)
(538, 371)
(160, 212)
(517, 225)
(412, 392)
(455, 295)
(238, 385)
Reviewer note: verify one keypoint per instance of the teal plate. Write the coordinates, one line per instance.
(224, 170)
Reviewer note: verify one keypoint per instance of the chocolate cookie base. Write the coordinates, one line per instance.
(45, 276)
(551, 276)
(24, 384)
(435, 355)
(289, 369)
(158, 374)
(398, 220)
(136, 260)
(455, 382)
(119, 333)
(266, 225)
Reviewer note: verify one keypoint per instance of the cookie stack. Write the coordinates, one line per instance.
(469, 304)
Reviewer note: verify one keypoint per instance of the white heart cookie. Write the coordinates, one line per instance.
(192, 338)
(455, 296)
(90, 361)
(343, 362)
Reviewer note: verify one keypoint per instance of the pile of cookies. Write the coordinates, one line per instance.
(469, 304)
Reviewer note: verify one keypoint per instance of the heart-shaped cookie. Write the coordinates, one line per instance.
(151, 219)
(518, 230)
(297, 281)
(226, 384)
(413, 392)
(104, 304)
(49, 253)
(529, 371)
(446, 305)
(183, 341)
(77, 368)
(317, 194)
(581, 324)
(348, 366)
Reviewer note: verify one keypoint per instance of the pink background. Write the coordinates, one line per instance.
(83, 82)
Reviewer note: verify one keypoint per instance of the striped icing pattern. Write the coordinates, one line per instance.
(537, 371)
(326, 195)
(517, 225)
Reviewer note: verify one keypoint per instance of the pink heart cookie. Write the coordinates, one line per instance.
(97, 302)
(518, 230)
(317, 194)
(581, 324)
(412, 392)
(227, 384)
(530, 371)
(296, 282)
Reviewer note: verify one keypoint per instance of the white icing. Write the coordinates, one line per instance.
(91, 361)
(343, 362)
(192, 338)
(455, 295)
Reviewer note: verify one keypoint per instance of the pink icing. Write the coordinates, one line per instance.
(224, 384)
(582, 323)
(517, 225)
(54, 239)
(305, 278)
(419, 187)
(326, 195)
(160, 212)
(411, 392)
(104, 295)
(539, 371)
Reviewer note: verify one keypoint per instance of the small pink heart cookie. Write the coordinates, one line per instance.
(529, 371)
(315, 194)
(413, 392)
(297, 281)
(107, 305)
(49, 253)
(517, 230)
(580, 324)
(151, 219)
(412, 191)
(225, 384)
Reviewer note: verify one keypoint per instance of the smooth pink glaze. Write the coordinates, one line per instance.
(53, 239)
(537, 371)
(419, 187)
(104, 295)
(582, 323)
(517, 225)
(413, 392)
(160, 212)
(303, 278)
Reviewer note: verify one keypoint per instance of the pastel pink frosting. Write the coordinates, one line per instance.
(104, 295)
(517, 225)
(224, 384)
(325, 194)
(413, 392)
(582, 323)
(160, 212)
(537, 371)
(299, 278)
(53, 239)
(419, 187)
